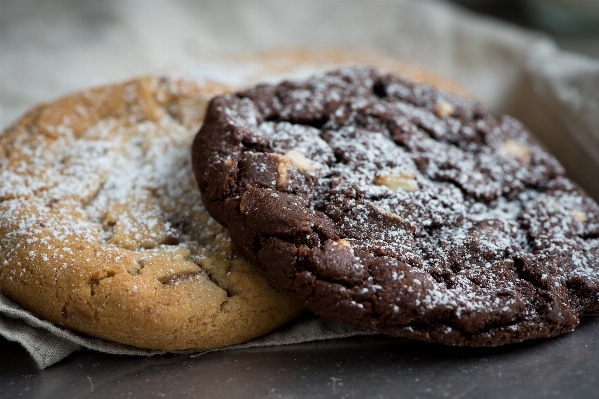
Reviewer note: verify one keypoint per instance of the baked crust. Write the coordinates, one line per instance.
(401, 208)
(102, 229)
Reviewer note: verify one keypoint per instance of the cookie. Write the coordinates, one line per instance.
(401, 208)
(102, 228)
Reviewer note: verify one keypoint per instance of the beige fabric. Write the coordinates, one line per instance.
(49, 344)
(556, 94)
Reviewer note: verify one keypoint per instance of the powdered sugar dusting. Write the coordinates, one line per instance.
(410, 175)
(118, 184)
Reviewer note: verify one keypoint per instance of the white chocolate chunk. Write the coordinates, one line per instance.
(443, 109)
(579, 215)
(283, 173)
(343, 243)
(300, 161)
(403, 181)
(516, 150)
(393, 216)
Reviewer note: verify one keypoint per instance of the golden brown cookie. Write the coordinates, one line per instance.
(102, 229)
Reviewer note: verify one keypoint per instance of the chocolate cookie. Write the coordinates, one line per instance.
(102, 229)
(401, 208)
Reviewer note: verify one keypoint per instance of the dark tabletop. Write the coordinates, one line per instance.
(373, 367)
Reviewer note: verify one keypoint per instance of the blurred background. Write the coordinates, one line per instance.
(50, 48)
(573, 24)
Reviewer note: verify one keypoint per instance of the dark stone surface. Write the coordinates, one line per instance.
(373, 367)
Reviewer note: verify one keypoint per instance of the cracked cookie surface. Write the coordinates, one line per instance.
(401, 208)
(102, 229)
